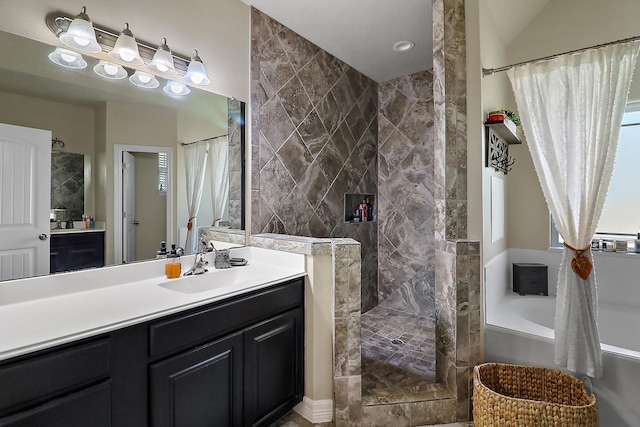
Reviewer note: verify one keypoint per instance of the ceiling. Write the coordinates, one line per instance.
(363, 36)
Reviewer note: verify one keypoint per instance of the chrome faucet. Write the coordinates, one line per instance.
(200, 264)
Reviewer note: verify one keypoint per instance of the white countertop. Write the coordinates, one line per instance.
(42, 312)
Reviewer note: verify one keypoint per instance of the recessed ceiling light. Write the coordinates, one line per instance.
(403, 46)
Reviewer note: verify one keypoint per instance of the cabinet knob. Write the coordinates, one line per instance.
(43, 236)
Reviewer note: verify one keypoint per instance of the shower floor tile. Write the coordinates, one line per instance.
(398, 357)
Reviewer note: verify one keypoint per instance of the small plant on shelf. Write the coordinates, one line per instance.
(501, 115)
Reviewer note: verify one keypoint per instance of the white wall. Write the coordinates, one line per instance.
(561, 26)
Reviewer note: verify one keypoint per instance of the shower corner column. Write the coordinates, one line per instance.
(458, 267)
(347, 369)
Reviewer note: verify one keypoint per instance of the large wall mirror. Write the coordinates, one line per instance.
(96, 120)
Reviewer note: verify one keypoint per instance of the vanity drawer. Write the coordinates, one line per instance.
(33, 380)
(201, 325)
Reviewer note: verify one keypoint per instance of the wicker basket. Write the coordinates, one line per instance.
(523, 396)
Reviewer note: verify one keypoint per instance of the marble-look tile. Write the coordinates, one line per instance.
(295, 156)
(298, 49)
(313, 133)
(274, 64)
(275, 124)
(392, 415)
(431, 412)
(314, 185)
(297, 104)
(275, 173)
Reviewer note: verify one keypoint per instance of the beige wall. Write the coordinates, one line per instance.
(72, 124)
(219, 30)
(561, 26)
(128, 124)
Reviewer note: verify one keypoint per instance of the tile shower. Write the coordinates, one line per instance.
(326, 131)
(321, 129)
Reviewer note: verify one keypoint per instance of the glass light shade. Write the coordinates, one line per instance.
(126, 48)
(145, 80)
(176, 88)
(109, 70)
(162, 61)
(67, 58)
(196, 73)
(81, 35)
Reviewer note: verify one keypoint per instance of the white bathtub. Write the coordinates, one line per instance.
(519, 329)
(521, 332)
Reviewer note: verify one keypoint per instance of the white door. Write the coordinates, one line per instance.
(25, 195)
(128, 207)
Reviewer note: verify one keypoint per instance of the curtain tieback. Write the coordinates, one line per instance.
(190, 223)
(580, 264)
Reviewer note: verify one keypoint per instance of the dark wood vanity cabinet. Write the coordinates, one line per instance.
(66, 387)
(236, 362)
(76, 251)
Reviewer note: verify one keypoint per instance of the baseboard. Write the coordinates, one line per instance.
(315, 411)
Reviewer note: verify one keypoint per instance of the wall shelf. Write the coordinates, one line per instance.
(504, 132)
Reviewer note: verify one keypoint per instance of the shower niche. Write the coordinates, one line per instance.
(360, 207)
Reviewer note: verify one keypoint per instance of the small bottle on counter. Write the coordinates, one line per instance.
(87, 222)
(637, 244)
(92, 223)
(173, 266)
(162, 253)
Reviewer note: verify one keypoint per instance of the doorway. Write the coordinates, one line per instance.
(143, 200)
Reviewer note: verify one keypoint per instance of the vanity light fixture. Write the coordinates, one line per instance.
(176, 88)
(144, 80)
(80, 35)
(126, 48)
(162, 61)
(67, 58)
(57, 144)
(196, 73)
(403, 46)
(109, 70)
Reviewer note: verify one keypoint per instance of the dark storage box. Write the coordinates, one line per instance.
(530, 278)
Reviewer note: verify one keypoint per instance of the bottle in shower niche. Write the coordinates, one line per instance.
(363, 209)
(369, 206)
(173, 266)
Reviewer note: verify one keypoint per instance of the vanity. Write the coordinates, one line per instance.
(75, 249)
(223, 348)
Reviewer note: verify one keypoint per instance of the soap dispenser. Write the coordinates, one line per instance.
(162, 253)
(637, 244)
(173, 266)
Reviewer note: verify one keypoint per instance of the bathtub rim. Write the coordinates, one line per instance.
(501, 321)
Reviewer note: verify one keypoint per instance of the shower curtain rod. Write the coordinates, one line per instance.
(488, 71)
(206, 139)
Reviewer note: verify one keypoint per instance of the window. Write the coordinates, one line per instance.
(163, 178)
(620, 219)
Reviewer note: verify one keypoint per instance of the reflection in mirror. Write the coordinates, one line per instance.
(92, 115)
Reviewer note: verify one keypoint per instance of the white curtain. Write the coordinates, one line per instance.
(195, 159)
(571, 110)
(219, 174)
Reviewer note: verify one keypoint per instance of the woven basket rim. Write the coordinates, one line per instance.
(478, 380)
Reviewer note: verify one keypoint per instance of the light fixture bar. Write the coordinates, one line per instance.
(58, 22)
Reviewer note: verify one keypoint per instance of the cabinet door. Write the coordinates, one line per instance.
(274, 371)
(199, 388)
(88, 407)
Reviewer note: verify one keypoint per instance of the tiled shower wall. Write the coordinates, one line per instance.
(67, 183)
(314, 140)
(235, 127)
(406, 205)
